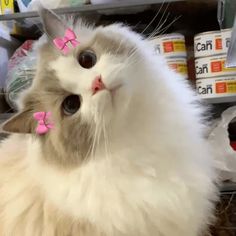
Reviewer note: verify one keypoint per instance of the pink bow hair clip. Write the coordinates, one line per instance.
(62, 43)
(44, 124)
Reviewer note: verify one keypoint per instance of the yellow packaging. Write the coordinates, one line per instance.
(7, 6)
(231, 87)
(224, 68)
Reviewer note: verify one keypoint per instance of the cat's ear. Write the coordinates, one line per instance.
(22, 122)
(53, 25)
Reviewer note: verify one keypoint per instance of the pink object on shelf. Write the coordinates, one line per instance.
(20, 53)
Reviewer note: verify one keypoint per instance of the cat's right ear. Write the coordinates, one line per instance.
(53, 25)
(22, 122)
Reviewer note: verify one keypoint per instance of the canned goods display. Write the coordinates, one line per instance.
(217, 87)
(179, 65)
(170, 45)
(212, 66)
(212, 43)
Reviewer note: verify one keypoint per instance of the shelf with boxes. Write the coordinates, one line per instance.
(192, 20)
(191, 23)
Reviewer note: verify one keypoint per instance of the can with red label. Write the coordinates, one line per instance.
(170, 45)
(212, 66)
(217, 89)
(179, 65)
(212, 43)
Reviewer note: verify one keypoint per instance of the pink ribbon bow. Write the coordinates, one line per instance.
(44, 124)
(62, 43)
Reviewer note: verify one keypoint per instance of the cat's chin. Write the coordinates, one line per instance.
(101, 95)
(115, 90)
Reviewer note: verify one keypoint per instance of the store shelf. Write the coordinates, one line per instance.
(219, 100)
(89, 8)
(228, 187)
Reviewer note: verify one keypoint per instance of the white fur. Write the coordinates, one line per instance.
(153, 173)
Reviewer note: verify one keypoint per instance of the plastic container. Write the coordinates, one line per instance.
(21, 71)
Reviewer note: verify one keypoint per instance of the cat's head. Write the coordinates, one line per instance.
(87, 89)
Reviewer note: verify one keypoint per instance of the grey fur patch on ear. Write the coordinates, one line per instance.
(53, 25)
(20, 123)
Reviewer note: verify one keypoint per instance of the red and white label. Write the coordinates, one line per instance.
(218, 43)
(168, 46)
(221, 87)
(216, 66)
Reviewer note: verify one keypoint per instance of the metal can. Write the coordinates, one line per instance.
(212, 43)
(223, 88)
(212, 66)
(179, 65)
(170, 45)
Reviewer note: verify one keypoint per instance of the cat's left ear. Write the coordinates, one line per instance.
(22, 122)
(53, 25)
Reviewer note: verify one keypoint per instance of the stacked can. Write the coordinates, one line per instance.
(213, 79)
(172, 47)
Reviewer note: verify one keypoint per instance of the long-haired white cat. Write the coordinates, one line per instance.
(109, 142)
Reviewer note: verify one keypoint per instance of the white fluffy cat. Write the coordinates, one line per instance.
(126, 155)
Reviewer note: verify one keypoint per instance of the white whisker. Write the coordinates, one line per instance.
(158, 27)
(105, 141)
(163, 15)
(168, 26)
(154, 17)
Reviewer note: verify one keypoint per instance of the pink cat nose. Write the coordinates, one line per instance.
(97, 84)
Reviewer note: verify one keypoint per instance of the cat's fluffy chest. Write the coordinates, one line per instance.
(129, 201)
(115, 199)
